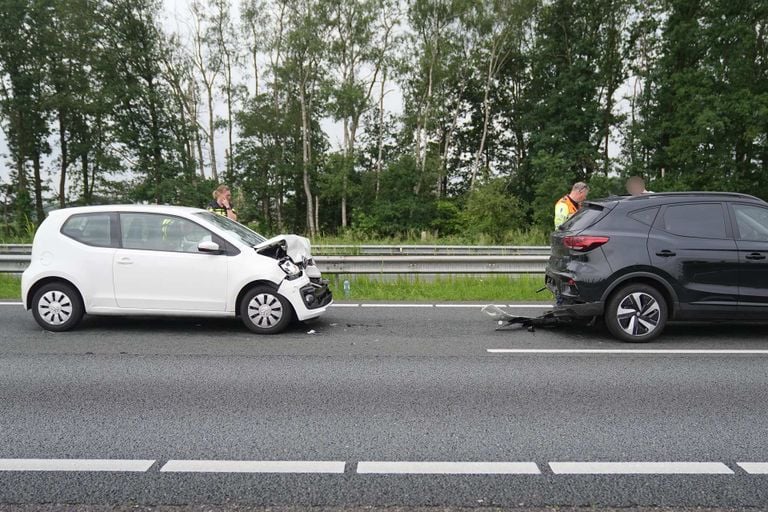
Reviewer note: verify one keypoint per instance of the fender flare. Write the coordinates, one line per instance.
(643, 275)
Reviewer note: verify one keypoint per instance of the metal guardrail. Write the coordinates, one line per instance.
(14, 263)
(15, 249)
(431, 264)
(386, 264)
(427, 250)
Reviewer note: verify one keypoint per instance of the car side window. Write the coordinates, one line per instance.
(646, 216)
(702, 220)
(93, 229)
(153, 232)
(752, 222)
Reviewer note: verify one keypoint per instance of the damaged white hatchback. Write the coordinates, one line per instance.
(168, 260)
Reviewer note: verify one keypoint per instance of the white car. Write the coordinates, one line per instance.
(168, 260)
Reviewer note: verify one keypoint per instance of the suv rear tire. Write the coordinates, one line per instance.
(636, 313)
(264, 311)
(57, 307)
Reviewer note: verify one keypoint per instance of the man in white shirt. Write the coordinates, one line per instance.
(636, 186)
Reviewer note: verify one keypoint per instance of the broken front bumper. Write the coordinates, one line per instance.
(316, 294)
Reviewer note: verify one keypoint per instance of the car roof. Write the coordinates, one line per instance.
(674, 197)
(141, 208)
(689, 195)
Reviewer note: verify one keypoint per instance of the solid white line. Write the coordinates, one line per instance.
(623, 351)
(640, 468)
(509, 306)
(253, 466)
(754, 468)
(466, 305)
(75, 465)
(11, 304)
(423, 305)
(397, 305)
(448, 468)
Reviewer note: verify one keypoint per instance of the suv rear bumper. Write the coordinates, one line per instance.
(568, 301)
(584, 310)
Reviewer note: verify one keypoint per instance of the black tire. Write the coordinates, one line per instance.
(264, 311)
(57, 307)
(636, 313)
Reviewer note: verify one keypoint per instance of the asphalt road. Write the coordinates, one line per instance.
(180, 411)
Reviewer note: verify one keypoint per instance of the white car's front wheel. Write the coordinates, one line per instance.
(264, 311)
(57, 307)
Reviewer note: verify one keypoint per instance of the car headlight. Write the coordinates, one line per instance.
(290, 268)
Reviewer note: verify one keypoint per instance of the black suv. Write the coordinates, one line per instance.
(639, 261)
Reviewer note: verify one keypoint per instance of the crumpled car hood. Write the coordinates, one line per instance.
(297, 247)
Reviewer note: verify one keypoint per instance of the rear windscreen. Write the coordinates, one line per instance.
(584, 218)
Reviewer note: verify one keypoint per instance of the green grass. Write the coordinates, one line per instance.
(456, 288)
(516, 237)
(10, 286)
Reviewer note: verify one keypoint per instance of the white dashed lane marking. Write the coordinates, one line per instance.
(625, 351)
(119, 465)
(447, 468)
(754, 468)
(253, 466)
(640, 468)
(383, 467)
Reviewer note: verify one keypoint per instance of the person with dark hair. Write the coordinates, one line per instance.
(222, 203)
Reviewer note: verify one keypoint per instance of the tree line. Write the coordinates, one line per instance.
(505, 103)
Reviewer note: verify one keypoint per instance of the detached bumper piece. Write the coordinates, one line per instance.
(316, 294)
(506, 320)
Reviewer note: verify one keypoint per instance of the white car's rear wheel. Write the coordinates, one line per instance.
(264, 311)
(57, 307)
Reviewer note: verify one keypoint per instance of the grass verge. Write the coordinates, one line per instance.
(449, 288)
(10, 286)
(514, 237)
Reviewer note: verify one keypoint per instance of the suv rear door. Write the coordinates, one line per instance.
(750, 227)
(691, 244)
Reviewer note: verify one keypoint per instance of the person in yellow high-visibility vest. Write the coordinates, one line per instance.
(570, 203)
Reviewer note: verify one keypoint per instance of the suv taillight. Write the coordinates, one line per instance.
(584, 243)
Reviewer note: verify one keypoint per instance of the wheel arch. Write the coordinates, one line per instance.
(251, 285)
(52, 279)
(650, 279)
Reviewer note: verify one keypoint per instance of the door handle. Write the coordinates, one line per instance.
(755, 256)
(125, 261)
(666, 253)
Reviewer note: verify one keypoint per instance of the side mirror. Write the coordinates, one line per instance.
(209, 247)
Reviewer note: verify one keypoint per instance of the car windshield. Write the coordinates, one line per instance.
(244, 234)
